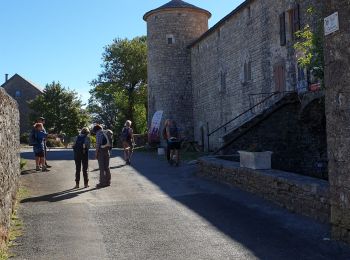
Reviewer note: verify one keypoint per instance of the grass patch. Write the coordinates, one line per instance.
(16, 226)
(22, 163)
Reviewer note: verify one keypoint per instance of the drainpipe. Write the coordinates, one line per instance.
(6, 77)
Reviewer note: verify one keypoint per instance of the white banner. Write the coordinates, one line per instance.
(154, 132)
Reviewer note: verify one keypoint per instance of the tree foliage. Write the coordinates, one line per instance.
(61, 108)
(310, 45)
(120, 91)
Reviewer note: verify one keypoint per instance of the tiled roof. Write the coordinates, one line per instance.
(18, 76)
(176, 4)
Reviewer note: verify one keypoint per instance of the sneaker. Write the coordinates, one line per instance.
(76, 186)
(48, 166)
(37, 168)
(86, 185)
(44, 169)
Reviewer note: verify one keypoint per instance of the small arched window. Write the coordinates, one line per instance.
(18, 93)
(170, 39)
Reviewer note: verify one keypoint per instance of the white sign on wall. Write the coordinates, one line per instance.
(153, 134)
(331, 23)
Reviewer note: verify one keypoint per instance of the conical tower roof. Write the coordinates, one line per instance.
(176, 4)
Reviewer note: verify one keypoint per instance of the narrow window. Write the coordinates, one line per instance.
(223, 81)
(170, 39)
(247, 71)
(283, 39)
(294, 18)
(18, 93)
(280, 77)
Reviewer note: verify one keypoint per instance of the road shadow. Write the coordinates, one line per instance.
(65, 154)
(58, 196)
(29, 171)
(266, 230)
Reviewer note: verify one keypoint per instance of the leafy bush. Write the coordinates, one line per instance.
(22, 163)
(54, 143)
(93, 140)
(24, 138)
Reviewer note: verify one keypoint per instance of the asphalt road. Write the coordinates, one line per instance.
(154, 211)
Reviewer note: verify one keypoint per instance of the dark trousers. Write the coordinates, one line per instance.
(168, 153)
(81, 160)
(103, 163)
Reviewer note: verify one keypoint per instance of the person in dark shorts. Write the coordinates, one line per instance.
(174, 143)
(38, 148)
(42, 121)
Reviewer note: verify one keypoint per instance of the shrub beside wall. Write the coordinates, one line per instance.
(9, 159)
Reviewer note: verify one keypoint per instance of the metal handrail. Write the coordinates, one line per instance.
(243, 113)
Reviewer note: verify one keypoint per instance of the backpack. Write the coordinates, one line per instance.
(107, 140)
(33, 138)
(78, 146)
(174, 131)
(125, 135)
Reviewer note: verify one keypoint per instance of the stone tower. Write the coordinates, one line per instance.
(171, 28)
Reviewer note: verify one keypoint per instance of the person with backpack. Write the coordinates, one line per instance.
(81, 148)
(42, 121)
(127, 138)
(103, 147)
(38, 141)
(174, 142)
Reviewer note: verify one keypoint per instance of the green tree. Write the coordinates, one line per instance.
(61, 108)
(310, 45)
(120, 90)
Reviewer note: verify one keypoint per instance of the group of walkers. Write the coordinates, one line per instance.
(81, 146)
(104, 143)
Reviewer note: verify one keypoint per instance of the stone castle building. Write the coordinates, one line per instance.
(22, 91)
(238, 83)
(203, 78)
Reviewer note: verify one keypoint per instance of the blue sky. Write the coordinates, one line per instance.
(63, 40)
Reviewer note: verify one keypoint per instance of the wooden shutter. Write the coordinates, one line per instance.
(280, 78)
(283, 39)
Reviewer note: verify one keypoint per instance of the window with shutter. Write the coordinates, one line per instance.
(283, 39)
(280, 78)
(294, 18)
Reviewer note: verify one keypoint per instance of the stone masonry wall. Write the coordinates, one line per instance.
(251, 35)
(295, 134)
(9, 159)
(300, 194)
(337, 84)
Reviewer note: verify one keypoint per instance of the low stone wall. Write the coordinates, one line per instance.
(9, 159)
(301, 194)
